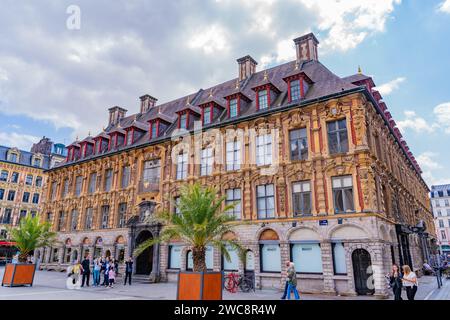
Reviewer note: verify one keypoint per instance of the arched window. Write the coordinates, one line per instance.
(270, 255)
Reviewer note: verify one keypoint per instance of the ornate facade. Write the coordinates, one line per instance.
(315, 162)
(22, 180)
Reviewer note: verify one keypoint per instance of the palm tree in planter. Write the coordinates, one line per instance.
(28, 236)
(201, 221)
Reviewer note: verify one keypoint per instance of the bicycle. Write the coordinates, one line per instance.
(233, 281)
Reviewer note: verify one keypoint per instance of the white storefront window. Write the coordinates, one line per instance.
(270, 258)
(174, 257)
(307, 257)
(340, 267)
(233, 264)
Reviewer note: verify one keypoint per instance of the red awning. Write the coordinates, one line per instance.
(7, 243)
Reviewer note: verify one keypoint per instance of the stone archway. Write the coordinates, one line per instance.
(362, 272)
(144, 262)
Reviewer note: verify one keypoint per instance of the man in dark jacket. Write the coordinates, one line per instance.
(86, 264)
(128, 270)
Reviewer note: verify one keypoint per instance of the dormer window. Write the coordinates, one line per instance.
(295, 90)
(262, 99)
(36, 162)
(12, 157)
(130, 134)
(233, 108)
(154, 129)
(182, 120)
(265, 94)
(207, 115)
(298, 85)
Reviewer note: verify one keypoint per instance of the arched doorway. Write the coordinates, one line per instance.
(145, 259)
(362, 272)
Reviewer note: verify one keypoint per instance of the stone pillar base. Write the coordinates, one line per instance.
(154, 278)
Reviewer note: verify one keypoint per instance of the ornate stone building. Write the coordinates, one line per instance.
(22, 180)
(315, 163)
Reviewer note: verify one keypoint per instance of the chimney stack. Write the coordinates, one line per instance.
(147, 102)
(306, 47)
(115, 114)
(247, 67)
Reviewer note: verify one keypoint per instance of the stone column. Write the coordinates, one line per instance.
(327, 266)
(154, 275)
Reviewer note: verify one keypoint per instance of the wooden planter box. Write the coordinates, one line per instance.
(18, 274)
(199, 285)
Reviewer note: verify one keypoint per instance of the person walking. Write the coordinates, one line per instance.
(128, 271)
(73, 275)
(395, 281)
(288, 264)
(292, 282)
(409, 282)
(97, 269)
(111, 276)
(86, 264)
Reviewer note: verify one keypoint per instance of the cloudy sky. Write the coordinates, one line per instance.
(58, 78)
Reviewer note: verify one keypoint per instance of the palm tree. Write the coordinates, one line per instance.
(31, 234)
(201, 221)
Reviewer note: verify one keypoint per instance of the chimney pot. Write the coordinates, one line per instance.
(115, 114)
(147, 102)
(247, 67)
(306, 47)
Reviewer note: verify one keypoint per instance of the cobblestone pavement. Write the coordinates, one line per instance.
(50, 285)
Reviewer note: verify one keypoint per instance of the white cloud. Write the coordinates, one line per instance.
(442, 114)
(212, 39)
(387, 88)
(444, 6)
(426, 160)
(349, 22)
(18, 140)
(432, 169)
(414, 122)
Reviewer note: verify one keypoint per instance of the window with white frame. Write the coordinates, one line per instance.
(265, 201)
(234, 197)
(182, 165)
(4, 175)
(270, 257)
(262, 99)
(307, 257)
(54, 189)
(264, 149)
(233, 155)
(122, 214)
(29, 180)
(343, 194)
(15, 177)
(295, 90)
(152, 171)
(301, 198)
(176, 208)
(206, 162)
(233, 108)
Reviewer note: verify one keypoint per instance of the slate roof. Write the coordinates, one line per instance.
(25, 158)
(325, 84)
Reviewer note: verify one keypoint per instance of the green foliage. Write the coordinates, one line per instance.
(201, 221)
(30, 235)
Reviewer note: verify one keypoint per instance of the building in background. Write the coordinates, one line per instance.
(316, 164)
(440, 201)
(22, 180)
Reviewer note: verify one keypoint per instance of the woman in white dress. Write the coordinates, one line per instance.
(409, 282)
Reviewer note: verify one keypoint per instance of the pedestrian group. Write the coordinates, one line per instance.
(105, 268)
